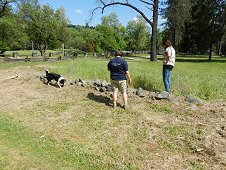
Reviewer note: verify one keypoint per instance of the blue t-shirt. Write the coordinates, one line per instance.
(118, 67)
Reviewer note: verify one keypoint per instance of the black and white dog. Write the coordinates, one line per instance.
(53, 76)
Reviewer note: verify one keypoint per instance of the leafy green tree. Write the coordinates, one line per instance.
(81, 37)
(137, 35)
(6, 7)
(12, 35)
(110, 34)
(177, 13)
(46, 28)
(222, 43)
(195, 26)
(205, 28)
(75, 39)
(107, 38)
(112, 21)
(159, 42)
(152, 5)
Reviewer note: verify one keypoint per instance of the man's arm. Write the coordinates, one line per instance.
(128, 77)
(168, 54)
(108, 66)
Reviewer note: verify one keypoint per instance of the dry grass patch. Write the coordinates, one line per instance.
(76, 128)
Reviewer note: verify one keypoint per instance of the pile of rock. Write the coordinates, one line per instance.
(104, 86)
(99, 85)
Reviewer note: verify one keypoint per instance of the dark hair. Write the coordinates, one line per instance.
(167, 43)
(118, 53)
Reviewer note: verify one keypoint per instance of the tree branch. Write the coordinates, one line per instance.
(13, 77)
(151, 9)
(92, 14)
(125, 4)
(102, 2)
(148, 3)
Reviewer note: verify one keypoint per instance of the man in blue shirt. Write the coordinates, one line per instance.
(119, 73)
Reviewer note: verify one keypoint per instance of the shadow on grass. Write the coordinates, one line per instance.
(100, 99)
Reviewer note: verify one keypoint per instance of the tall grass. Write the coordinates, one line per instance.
(203, 79)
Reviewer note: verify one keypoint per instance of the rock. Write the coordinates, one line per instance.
(97, 88)
(76, 81)
(84, 84)
(97, 82)
(140, 92)
(193, 100)
(102, 89)
(108, 88)
(104, 83)
(80, 80)
(162, 95)
(79, 84)
(91, 83)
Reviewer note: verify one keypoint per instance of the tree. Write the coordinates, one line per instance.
(152, 5)
(45, 27)
(12, 35)
(6, 7)
(107, 36)
(76, 38)
(111, 21)
(222, 43)
(107, 39)
(177, 14)
(195, 26)
(205, 27)
(137, 35)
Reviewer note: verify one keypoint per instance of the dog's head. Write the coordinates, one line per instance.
(62, 81)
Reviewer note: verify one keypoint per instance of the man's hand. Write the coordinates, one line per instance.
(128, 78)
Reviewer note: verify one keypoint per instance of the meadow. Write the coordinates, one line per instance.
(192, 75)
(44, 127)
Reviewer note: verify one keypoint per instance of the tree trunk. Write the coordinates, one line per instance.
(220, 47)
(153, 56)
(174, 38)
(210, 52)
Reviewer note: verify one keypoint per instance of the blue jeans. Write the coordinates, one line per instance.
(166, 74)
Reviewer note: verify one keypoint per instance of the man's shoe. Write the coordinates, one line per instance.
(114, 106)
(125, 106)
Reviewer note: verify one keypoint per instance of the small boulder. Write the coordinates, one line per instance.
(193, 100)
(140, 92)
(162, 95)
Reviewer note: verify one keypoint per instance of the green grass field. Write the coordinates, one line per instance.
(192, 75)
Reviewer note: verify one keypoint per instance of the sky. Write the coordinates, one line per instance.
(79, 11)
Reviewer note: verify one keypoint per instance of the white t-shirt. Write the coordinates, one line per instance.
(172, 53)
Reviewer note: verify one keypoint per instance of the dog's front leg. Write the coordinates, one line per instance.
(48, 83)
(59, 84)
